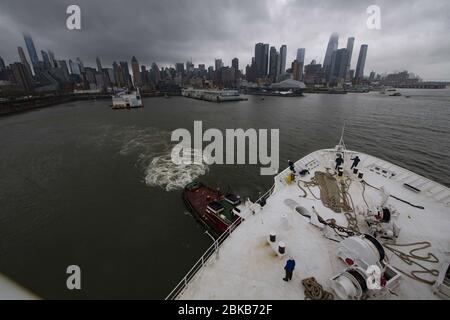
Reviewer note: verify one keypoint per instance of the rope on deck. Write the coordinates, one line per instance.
(314, 291)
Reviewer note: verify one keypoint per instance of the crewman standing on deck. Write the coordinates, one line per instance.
(289, 268)
(291, 166)
(356, 160)
(339, 161)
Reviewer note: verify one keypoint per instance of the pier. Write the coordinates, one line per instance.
(212, 95)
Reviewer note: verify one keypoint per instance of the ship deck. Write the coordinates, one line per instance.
(248, 268)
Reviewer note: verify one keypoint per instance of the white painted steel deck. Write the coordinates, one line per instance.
(248, 268)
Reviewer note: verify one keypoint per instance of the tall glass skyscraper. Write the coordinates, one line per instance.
(283, 52)
(274, 63)
(23, 60)
(301, 55)
(332, 47)
(338, 66)
(2, 64)
(350, 43)
(359, 74)
(261, 59)
(31, 49)
(301, 62)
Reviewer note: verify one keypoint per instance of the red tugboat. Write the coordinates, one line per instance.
(213, 209)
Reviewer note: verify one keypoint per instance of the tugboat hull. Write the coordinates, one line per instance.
(209, 207)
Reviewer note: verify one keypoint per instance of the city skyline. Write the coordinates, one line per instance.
(186, 41)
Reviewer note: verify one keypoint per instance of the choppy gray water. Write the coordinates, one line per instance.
(83, 184)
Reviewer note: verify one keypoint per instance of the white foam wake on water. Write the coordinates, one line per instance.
(153, 150)
(163, 172)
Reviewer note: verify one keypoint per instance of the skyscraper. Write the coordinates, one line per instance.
(179, 67)
(31, 49)
(301, 61)
(81, 65)
(301, 55)
(283, 52)
(137, 79)
(24, 61)
(99, 64)
(350, 43)
(332, 46)
(21, 76)
(2, 64)
(261, 59)
(46, 59)
(338, 66)
(125, 74)
(74, 68)
(53, 61)
(218, 64)
(118, 75)
(296, 72)
(274, 64)
(359, 74)
(154, 74)
(235, 64)
(65, 71)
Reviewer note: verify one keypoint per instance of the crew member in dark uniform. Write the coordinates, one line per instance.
(356, 160)
(339, 162)
(291, 166)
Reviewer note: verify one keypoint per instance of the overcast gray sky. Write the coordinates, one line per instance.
(414, 34)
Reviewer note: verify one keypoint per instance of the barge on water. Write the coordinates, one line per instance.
(213, 209)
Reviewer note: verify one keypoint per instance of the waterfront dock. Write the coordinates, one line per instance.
(212, 95)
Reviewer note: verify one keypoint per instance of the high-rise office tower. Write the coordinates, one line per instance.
(179, 67)
(99, 64)
(21, 76)
(31, 49)
(359, 74)
(118, 75)
(74, 67)
(53, 61)
(301, 61)
(235, 64)
(331, 48)
(274, 64)
(283, 52)
(301, 55)
(338, 66)
(46, 59)
(65, 71)
(137, 79)
(155, 74)
(190, 66)
(218, 64)
(81, 65)
(24, 61)
(350, 43)
(125, 74)
(2, 64)
(296, 70)
(261, 59)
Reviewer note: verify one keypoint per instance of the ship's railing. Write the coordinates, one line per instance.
(213, 249)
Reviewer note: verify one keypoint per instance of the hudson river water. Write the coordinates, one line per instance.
(81, 184)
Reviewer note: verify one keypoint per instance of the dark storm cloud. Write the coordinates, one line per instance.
(414, 34)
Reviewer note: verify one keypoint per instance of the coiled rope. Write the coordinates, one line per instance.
(314, 291)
